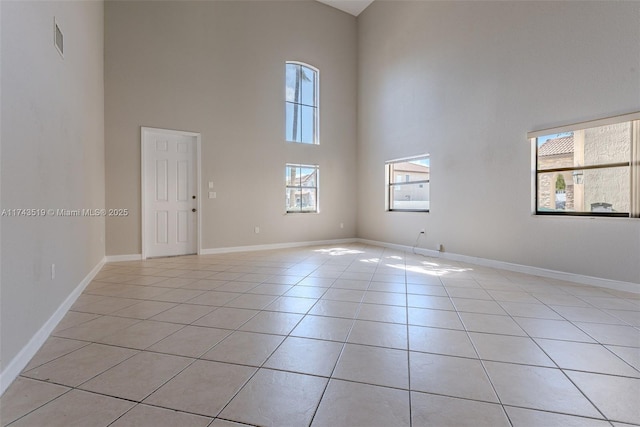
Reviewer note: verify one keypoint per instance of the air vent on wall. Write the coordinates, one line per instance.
(58, 38)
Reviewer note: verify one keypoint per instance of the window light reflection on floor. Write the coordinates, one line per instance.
(432, 271)
(339, 251)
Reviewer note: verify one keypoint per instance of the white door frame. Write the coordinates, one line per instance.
(144, 134)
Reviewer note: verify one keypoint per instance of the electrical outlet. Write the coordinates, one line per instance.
(440, 247)
(256, 230)
(342, 225)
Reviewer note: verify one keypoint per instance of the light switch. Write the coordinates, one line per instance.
(212, 194)
(210, 185)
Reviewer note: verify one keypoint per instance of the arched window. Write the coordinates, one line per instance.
(301, 103)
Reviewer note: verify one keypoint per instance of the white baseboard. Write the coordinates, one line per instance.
(252, 248)
(519, 268)
(120, 258)
(230, 249)
(214, 251)
(13, 369)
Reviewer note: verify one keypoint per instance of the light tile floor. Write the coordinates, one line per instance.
(326, 336)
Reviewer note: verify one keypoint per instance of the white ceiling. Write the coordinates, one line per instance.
(354, 7)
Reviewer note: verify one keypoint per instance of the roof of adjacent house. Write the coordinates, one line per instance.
(410, 167)
(556, 146)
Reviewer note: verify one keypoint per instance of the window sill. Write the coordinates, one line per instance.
(588, 215)
(408, 210)
(301, 213)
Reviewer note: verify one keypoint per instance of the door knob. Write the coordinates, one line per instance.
(193, 210)
(193, 197)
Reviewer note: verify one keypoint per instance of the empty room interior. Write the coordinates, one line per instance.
(220, 213)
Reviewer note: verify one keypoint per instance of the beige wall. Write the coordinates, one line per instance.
(465, 82)
(52, 157)
(218, 68)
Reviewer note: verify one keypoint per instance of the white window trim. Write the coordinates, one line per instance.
(317, 187)
(634, 162)
(388, 183)
(316, 136)
(584, 125)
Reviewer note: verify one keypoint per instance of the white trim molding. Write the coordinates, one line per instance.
(586, 124)
(121, 258)
(519, 268)
(253, 248)
(17, 364)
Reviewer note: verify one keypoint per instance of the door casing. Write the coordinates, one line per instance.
(145, 134)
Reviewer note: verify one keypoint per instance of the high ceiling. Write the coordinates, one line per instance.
(354, 7)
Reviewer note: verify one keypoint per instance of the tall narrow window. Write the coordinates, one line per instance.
(408, 184)
(301, 188)
(301, 103)
(590, 168)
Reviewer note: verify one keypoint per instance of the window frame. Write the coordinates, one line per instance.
(300, 187)
(316, 107)
(633, 163)
(390, 185)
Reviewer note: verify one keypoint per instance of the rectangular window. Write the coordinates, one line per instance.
(301, 188)
(591, 168)
(408, 184)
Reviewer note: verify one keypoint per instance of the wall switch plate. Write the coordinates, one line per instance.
(212, 194)
(256, 230)
(210, 185)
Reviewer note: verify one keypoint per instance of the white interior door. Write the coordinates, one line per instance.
(170, 191)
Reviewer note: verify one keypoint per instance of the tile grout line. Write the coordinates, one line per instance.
(484, 368)
(550, 358)
(406, 309)
(335, 365)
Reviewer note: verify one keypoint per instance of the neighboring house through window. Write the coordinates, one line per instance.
(301, 105)
(591, 168)
(408, 184)
(301, 188)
